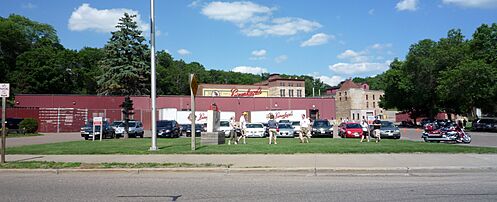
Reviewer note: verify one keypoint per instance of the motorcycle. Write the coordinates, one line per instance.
(450, 133)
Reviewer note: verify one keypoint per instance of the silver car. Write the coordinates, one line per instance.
(389, 130)
(285, 130)
(135, 129)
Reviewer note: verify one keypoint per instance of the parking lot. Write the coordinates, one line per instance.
(486, 139)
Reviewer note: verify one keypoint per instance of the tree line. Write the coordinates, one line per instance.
(33, 61)
(453, 75)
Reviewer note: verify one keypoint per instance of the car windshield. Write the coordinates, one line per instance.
(354, 125)
(254, 125)
(296, 123)
(224, 124)
(164, 124)
(285, 126)
(387, 124)
(132, 124)
(116, 123)
(284, 121)
(321, 124)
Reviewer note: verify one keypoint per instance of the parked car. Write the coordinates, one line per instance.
(322, 128)
(12, 124)
(296, 127)
(87, 131)
(407, 124)
(284, 121)
(285, 130)
(116, 124)
(389, 130)
(255, 130)
(426, 121)
(266, 129)
(198, 130)
(349, 130)
(224, 126)
(182, 129)
(135, 129)
(485, 125)
(168, 128)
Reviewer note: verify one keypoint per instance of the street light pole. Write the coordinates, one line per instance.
(152, 62)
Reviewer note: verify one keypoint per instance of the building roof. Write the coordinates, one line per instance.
(348, 84)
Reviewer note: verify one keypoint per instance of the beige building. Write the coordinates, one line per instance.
(355, 101)
(275, 86)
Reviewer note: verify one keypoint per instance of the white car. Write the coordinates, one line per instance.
(296, 128)
(135, 129)
(255, 130)
(224, 126)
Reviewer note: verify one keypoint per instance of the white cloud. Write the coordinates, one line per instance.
(184, 52)
(250, 70)
(332, 81)
(407, 5)
(195, 4)
(87, 18)
(259, 53)
(281, 58)
(379, 46)
(239, 12)
(317, 39)
(354, 56)
(371, 12)
(473, 3)
(359, 68)
(29, 6)
(257, 20)
(281, 27)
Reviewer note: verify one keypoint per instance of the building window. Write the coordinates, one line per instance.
(373, 96)
(374, 104)
(299, 85)
(340, 99)
(290, 84)
(345, 93)
(345, 98)
(282, 92)
(339, 93)
(367, 104)
(299, 93)
(353, 116)
(366, 97)
(282, 84)
(290, 93)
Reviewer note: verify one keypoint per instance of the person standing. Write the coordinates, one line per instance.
(376, 129)
(304, 129)
(243, 127)
(232, 131)
(273, 128)
(365, 129)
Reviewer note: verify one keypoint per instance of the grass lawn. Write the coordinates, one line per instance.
(16, 135)
(254, 146)
(61, 165)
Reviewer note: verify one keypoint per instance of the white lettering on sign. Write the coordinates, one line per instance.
(4, 89)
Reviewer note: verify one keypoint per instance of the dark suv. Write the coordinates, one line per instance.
(485, 125)
(168, 129)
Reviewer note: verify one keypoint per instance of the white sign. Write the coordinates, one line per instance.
(97, 121)
(263, 116)
(4, 89)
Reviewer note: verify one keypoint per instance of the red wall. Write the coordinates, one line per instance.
(142, 104)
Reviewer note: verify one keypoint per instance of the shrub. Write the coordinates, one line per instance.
(29, 125)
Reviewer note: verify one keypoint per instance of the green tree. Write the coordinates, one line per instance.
(125, 65)
(127, 109)
(18, 34)
(88, 71)
(469, 85)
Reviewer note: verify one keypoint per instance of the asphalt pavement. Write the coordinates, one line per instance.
(484, 139)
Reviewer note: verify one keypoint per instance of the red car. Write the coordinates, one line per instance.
(350, 130)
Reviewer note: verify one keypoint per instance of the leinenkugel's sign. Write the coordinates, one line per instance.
(237, 92)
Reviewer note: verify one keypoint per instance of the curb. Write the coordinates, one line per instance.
(414, 171)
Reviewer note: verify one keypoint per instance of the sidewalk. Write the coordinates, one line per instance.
(303, 162)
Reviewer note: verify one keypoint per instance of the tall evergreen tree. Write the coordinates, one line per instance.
(125, 65)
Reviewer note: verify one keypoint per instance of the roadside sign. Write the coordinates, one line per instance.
(97, 121)
(4, 89)
(194, 84)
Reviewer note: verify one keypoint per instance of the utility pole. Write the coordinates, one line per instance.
(152, 62)
(4, 93)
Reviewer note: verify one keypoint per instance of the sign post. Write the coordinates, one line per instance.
(4, 93)
(193, 92)
(98, 121)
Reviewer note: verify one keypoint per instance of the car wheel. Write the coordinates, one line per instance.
(141, 134)
(86, 138)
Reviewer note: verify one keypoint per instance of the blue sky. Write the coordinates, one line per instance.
(330, 40)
